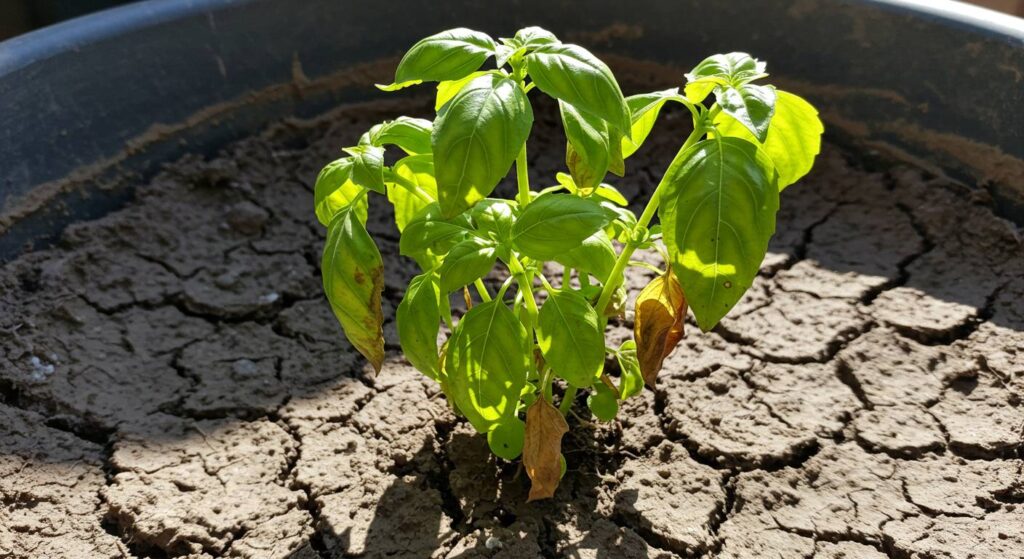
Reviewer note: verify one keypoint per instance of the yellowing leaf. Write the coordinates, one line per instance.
(658, 327)
(353, 275)
(542, 448)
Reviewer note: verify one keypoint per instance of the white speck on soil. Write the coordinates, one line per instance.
(269, 298)
(40, 369)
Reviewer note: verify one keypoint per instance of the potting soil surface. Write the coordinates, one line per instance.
(174, 384)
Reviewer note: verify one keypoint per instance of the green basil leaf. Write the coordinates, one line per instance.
(419, 318)
(643, 110)
(554, 224)
(602, 402)
(467, 262)
(335, 191)
(623, 222)
(612, 194)
(396, 86)
(486, 364)
(734, 68)
(353, 277)
(533, 37)
(494, 218)
(429, 233)
(447, 90)
(616, 161)
(368, 167)
(505, 438)
(412, 135)
(595, 256)
(564, 181)
(631, 380)
(794, 136)
(477, 136)
(570, 336)
(751, 105)
(572, 74)
(587, 153)
(418, 170)
(719, 200)
(506, 52)
(448, 55)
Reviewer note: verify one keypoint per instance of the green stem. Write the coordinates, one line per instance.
(411, 187)
(546, 381)
(546, 284)
(525, 287)
(446, 312)
(616, 276)
(481, 290)
(522, 178)
(651, 267)
(504, 288)
(567, 399)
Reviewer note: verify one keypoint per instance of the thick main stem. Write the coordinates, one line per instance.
(567, 399)
(522, 178)
(525, 287)
(616, 275)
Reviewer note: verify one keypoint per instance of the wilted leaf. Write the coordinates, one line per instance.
(542, 448)
(658, 327)
(353, 275)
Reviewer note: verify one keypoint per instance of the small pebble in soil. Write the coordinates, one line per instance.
(247, 218)
(493, 543)
(244, 368)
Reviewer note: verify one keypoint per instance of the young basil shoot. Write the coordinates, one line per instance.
(716, 204)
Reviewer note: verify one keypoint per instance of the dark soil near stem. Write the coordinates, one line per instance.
(174, 385)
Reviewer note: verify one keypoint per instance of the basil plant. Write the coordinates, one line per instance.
(499, 363)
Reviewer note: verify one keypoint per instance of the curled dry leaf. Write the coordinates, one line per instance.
(542, 448)
(660, 312)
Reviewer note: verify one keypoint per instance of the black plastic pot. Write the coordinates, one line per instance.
(108, 97)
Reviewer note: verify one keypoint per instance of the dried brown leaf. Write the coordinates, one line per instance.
(658, 327)
(542, 448)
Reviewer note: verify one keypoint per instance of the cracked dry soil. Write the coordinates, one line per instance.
(174, 385)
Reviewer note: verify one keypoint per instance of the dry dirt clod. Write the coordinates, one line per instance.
(191, 486)
(49, 489)
(720, 416)
(669, 496)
